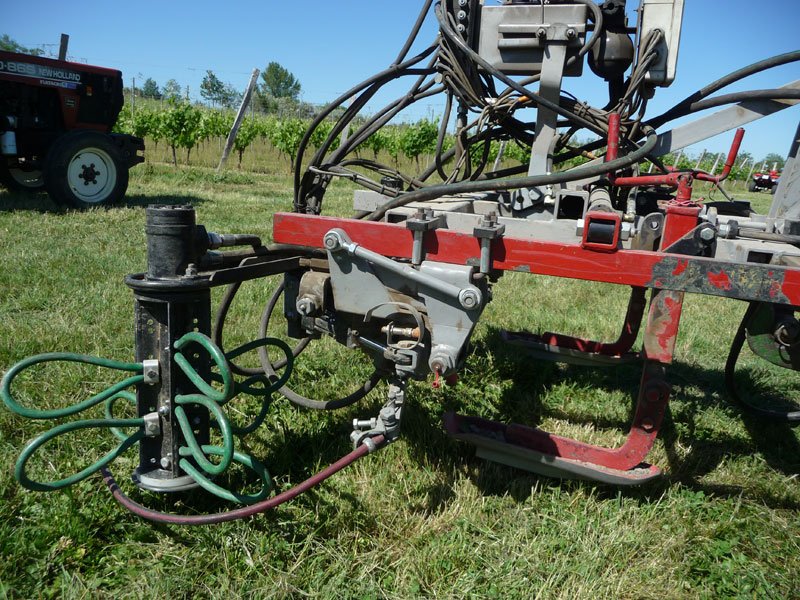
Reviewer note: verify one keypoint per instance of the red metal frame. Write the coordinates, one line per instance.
(637, 268)
(668, 275)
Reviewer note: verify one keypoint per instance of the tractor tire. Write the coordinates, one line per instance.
(85, 169)
(21, 180)
(751, 186)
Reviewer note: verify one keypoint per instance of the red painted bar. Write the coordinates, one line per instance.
(625, 267)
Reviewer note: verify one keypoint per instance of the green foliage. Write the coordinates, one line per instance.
(215, 123)
(150, 89)
(181, 127)
(278, 82)
(10, 45)
(419, 139)
(248, 131)
(422, 518)
(287, 136)
(211, 88)
(772, 159)
(171, 90)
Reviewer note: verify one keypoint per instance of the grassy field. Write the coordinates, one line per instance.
(422, 518)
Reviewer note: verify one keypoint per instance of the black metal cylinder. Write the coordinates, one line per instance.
(172, 241)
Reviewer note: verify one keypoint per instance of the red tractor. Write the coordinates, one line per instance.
(55, 130)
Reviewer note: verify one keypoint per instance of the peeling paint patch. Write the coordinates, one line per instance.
(717, 278)
(720, 280)
(522, 269)
(682, 266)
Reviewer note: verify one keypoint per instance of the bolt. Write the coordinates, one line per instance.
(707, 234)
(332, 241)
(469, 299)
(648, 425)
(196, 421)
(462, 3)
(654, 225)
(166, 463)
(462, 15)
(542, 32)
(164, 410)
(306, 306)
(571, 33)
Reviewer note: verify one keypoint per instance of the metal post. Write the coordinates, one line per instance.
(62, 50)
(239, 118)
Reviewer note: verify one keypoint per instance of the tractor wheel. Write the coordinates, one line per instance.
(85, 169)
(21, 180)
(751, 186)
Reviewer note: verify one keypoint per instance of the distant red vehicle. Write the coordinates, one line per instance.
(764, 181)
(55, 130)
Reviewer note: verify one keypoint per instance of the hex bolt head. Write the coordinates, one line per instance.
(306, 306)
(707, 234)
(166, 463)
(331, 241)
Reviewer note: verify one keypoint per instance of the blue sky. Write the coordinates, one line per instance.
(332, 45)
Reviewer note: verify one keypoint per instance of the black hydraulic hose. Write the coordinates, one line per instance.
(269, 367)
(437, 191)
(757, 67)
(791, 417)
(393, 72)
(440, 137)
(246, 511)
(219, 324)
(414, 32)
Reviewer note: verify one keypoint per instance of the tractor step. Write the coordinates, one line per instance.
(538, 348)
(494, 445)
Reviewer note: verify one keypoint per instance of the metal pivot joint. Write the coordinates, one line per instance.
(469, 297)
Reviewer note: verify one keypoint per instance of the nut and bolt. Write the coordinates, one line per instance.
(166, 462)
(707, 234)
(332, 242)
(306, 306)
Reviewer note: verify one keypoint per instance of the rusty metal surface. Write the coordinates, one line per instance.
(716, 278)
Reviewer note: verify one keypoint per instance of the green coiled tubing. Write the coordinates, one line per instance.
(207, 395)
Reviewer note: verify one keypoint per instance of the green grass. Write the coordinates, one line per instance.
(422, 518)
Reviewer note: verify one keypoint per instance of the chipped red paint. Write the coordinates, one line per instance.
(720, 280)
(681, 268)
(663, 323)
